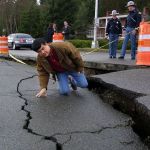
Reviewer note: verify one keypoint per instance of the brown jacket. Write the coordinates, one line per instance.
(69, 58)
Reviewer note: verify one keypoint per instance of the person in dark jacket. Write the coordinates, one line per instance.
(113, 30)
(131, 27)
(61, 59)
(50, 31)
(66, 31)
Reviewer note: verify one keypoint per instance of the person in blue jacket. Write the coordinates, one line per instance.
(131, 27)
(113, 30)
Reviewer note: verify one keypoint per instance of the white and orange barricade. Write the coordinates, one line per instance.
(143, 51)
(4, 45)
(58, 37)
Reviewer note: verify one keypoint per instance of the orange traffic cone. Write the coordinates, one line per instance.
(4, 45)
(143, 51)
(58, 37)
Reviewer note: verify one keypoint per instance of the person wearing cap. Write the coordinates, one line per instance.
(113, 30)
(131, 26)
(61, 59)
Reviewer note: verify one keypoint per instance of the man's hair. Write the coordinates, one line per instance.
(37, 44)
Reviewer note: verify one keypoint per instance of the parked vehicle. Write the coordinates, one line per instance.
(20, 40)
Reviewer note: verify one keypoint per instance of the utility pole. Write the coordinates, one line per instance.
(96, 45)
(95, 42)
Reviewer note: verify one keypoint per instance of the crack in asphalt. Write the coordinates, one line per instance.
(126, 124)
(59, 146)
(29, 117)
(127, 143)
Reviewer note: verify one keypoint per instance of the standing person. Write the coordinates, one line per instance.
(66, 31)
(54, 27)
(61, 59)
(132, 23)
(113, 30)
(50, 31)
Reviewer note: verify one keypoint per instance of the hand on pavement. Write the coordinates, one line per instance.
(42, 93)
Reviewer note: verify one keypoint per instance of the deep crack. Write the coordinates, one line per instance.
(29, 117)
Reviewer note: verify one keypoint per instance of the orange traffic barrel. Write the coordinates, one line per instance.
(143, 51)
(4, 45)
(58, 37)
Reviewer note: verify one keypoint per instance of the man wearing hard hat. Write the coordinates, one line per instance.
(131, 25)
(113, 30)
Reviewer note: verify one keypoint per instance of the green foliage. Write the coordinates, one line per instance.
(104, 43)
(30, 21)
(58, 11)
(84, 15)
(27, 16)
(81, 43)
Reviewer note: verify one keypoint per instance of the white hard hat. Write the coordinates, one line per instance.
(114, 13)
(130, 3)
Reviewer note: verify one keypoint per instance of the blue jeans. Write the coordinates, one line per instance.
(132, 38)
(113, 45)
(63, 81)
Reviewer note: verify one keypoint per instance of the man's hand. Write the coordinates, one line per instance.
(42, 93)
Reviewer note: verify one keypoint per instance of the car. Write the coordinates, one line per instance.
(20, 40)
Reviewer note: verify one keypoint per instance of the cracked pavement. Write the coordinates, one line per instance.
(80, 121)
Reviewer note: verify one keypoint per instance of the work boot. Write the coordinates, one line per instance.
(121, 57)
(133, 58)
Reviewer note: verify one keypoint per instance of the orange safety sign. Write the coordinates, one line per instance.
(58, 37)
(4, 45)
(143, 51)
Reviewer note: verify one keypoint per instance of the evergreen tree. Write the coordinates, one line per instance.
(30, 21)
(27, 16)
(57, 11)
(85, 14)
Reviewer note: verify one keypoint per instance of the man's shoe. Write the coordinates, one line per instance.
(114, 56)
(73, 84)
(121, 57)
(110, 57)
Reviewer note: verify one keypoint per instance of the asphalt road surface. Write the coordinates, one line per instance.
(80, 121)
